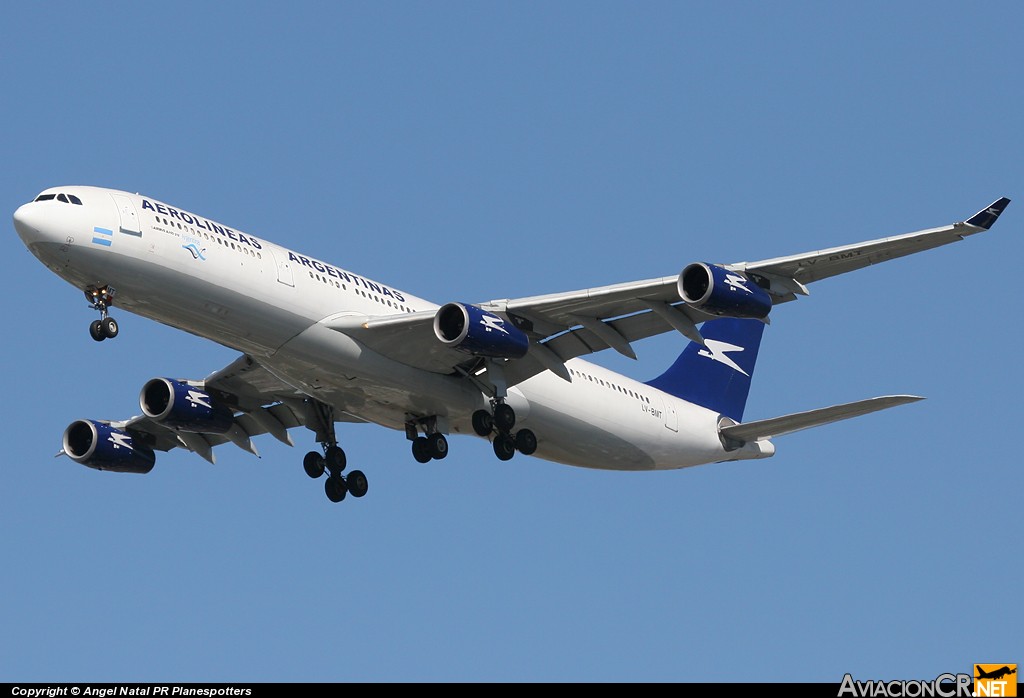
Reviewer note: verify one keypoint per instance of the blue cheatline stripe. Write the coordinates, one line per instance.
(102, 231)
(101, 241)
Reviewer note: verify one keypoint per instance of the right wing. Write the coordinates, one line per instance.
(261, 403)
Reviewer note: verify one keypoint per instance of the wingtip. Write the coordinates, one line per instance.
(903, 399)
(987, 217)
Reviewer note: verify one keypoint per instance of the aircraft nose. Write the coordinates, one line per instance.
(27, 222)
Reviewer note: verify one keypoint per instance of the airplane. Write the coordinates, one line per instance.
(996, 674)
(320, 345)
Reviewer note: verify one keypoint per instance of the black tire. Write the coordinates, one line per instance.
(421, 449)
(336, 459)
(504, 447)
(437, 446)
(504, 417)
(110, 327)
(357, 484)
(526, 442)
(313, 464)
(96, 330)
(335, 489)
(483, 423)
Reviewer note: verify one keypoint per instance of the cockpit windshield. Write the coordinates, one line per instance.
(63, 198)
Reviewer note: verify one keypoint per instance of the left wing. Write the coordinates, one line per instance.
(561, 326)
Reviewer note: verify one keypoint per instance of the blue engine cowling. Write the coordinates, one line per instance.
(101, 446)
(718, 291)
(480, 333)
(184, 407)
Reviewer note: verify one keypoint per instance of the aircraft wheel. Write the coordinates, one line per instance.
(526, 442)
(421, 449)
(357, 484)
(313, 464)
(109, 327)
(504, 447)
(483, 423)
(437, 446)
(336, 459)
(335, 488)
(96, 330)
(504, 417)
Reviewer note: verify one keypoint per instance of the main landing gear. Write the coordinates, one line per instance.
(333, 461)
(100, 299)
(501, 422)
(432, 446)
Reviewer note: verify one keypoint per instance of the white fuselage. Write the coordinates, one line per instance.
(246, 293)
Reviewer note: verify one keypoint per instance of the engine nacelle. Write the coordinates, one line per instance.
(101, 446)
(718, 291)
(480, 333)
(184, 407)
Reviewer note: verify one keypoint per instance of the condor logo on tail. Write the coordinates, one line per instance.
(493, 322)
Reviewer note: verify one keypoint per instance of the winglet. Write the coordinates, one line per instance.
(986, 217)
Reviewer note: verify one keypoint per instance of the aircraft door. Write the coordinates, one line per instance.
(284, 268)
(671, 416)
(129, 216)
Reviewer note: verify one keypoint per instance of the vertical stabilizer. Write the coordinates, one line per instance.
(716, 375)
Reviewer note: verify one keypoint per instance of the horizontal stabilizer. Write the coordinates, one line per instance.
(777, 426)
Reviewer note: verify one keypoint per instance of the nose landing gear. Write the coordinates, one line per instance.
(100, 299)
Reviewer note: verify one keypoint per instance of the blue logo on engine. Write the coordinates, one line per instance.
(196, 252)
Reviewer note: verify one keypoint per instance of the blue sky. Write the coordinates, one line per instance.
(469, 151)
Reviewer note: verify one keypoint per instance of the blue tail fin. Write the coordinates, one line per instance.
(717, 375)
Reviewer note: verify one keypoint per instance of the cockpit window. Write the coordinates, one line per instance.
(63, 198)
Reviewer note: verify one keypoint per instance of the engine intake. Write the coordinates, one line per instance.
(475, 331)
(719, 291)
(184, 407)
(101, 446)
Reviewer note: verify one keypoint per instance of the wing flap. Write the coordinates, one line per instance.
(787, 424)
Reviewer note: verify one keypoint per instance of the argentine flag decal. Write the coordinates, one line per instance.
(102, 236)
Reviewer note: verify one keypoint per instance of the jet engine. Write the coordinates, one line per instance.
(103, 447)
(184, 407)
(475, 331)
(719, 291)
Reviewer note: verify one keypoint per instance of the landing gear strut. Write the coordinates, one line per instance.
(500, 422)
(100, 299)
(333, 460)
